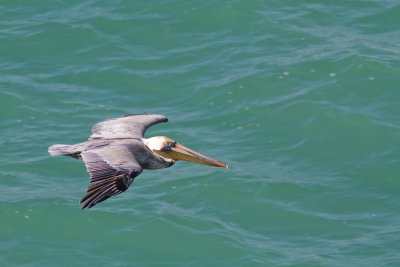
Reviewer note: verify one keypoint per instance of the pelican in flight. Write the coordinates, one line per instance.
(117, 152)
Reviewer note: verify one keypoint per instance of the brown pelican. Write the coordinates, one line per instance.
(117, 152)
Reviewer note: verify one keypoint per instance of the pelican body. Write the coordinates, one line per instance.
(117, 152)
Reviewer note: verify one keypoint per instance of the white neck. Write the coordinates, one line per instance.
(154, 143)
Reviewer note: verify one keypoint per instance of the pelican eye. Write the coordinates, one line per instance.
(168, 146)
(171, 144)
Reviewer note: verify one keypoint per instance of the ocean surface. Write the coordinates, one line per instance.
(300, 98)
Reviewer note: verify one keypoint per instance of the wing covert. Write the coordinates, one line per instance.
(111, 169)
(129, 126)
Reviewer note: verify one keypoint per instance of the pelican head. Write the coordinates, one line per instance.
(168, 148)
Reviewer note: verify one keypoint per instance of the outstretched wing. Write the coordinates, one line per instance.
(129, 126)
(112, 170)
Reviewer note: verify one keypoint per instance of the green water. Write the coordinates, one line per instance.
(301, 98)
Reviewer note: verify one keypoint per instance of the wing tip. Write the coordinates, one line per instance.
(161, 117)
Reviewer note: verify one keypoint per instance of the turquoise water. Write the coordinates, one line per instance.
(301, 98)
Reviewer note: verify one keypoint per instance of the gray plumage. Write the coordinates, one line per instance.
(114, 155)
(129, 126)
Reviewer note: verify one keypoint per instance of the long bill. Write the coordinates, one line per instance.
(180, 152)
